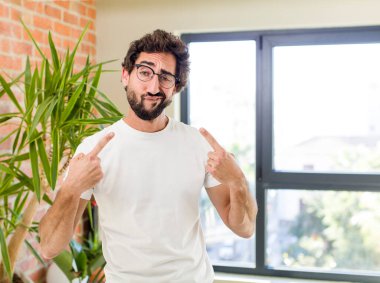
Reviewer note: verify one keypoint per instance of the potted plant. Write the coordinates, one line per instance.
(84, 262)
(56, 112)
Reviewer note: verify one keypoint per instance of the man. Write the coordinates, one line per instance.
(146, 173)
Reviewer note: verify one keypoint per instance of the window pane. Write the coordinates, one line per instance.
(222, 100)
(326, 108)
(325, 230)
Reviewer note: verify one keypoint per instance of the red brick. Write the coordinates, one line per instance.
(92, 25)
(39, 36)
(70, 18)
(4, 45)
(5, 28)
(81, 60)
(43, 23)
(91, 37)
(16, 2)
(75, 33)
(12, 63)
(40, 7)
(4, 105)
(62, 29)
(15, 14)
(53, 12)
(64, 4)
(83, 22)
(85, 48)
(16, 30)
(22, 48)
(46, 51)
(69, 43)
(31, 5)
(91, 12)
(81, 9)
(4, 11)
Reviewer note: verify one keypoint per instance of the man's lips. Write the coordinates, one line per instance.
(153, 98)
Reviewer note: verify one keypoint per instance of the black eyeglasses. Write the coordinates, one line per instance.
(145, 74)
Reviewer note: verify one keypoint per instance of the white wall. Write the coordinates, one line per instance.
(121, 21)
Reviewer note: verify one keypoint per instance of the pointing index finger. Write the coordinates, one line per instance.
(211, 140)
(101, 144)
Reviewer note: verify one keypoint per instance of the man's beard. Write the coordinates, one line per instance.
(139, 109)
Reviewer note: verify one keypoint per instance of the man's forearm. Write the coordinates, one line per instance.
(57, 226)
(242, 210)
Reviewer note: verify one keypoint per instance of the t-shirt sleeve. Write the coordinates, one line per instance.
(85, 148)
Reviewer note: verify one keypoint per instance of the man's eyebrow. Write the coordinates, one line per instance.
(148, 63)
(163, 71)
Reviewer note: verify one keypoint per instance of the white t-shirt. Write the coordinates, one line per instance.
(148, 204)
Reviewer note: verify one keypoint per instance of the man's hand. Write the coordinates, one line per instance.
(221, 164)
(85, 170)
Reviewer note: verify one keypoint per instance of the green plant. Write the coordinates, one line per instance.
(84, 260)
(56, 112)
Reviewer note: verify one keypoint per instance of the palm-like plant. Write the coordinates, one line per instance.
(57, 112)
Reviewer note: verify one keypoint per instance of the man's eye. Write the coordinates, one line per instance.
(166, 78)
(145, 73)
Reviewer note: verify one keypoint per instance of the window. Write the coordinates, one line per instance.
(301, 111)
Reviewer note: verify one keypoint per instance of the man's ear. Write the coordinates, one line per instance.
(124, 77)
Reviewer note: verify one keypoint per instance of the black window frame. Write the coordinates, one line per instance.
(266, 177)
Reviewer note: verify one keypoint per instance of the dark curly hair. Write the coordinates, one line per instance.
(161, 41)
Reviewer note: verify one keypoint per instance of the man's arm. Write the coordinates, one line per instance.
(231, 198)
(58, 225)
(236, 207)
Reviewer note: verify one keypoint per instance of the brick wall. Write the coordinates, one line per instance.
(65, 20)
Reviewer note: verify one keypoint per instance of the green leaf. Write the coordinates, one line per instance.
(55, 158)
(95, 82)
(5, 255)
(110, 104)
(50, 109)
(65, 262)
(14, 158)
(89, 212)
(35, 253)
(54, 54)
(27, 81)
(35, 171)
(97, 262)
(14, 189)
(81, 262)
(10, 93)
(37, 117)
(99, 121)
(44, 159)
(18, 207)
(7, 136)
(47, 199)
(71, 103)
(6, 169)
(31, 97)
(79, 41)
(32, 38)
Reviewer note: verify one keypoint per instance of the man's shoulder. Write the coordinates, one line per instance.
(189, 133)
(184, 128)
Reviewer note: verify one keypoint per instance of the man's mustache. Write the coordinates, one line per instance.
(158, 94)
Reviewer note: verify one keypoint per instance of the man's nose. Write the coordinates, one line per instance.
(153, 85)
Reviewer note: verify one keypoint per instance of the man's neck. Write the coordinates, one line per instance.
(152, 126)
